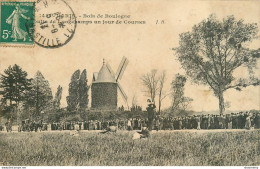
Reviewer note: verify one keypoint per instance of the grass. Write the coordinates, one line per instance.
(237, 148)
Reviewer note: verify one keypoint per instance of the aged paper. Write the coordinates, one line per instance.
(129, 83)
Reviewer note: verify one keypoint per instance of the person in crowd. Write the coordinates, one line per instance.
(221, 121)
(129, 125)
(139, 124)
(105, 125)
(248, 121)
(76, 126)
(151, 114)
(157, 123)
(143, 123)
(193, 122)
(183, 121)
(99, 125)
(188, 122)
(180, 123)
(234, 121)
(240, 120)
(216, 122)
(211, 121)
(257, 121)
(245, 115)
(171, 123)
(198, 122)
(204, 122)
(228, 121)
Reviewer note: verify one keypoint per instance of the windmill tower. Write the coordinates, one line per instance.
(104, 86)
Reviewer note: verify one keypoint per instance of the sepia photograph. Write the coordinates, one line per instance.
(129, 83)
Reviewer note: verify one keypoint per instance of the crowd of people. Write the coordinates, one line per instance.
(242, 120)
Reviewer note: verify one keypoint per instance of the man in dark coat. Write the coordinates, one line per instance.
(234, 120)
(240, 121)
(151, 113)
(193, 122)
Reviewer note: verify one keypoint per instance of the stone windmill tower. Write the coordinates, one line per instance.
(104, 86)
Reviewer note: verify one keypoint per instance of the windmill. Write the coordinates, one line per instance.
(105, 84)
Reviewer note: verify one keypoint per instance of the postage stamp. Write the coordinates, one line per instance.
(17, 23)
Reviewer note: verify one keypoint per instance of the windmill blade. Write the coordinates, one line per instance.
(121, 68)
(95, 75)
(122, 92)
(110, 69)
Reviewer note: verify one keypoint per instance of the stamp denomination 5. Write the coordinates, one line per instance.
(17, 23)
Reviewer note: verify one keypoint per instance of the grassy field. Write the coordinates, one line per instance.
(163, 148)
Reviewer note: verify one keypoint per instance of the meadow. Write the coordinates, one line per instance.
(235, 148)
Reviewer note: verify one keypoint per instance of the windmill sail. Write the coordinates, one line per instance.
(121, 68)
(110, 69)
(122, 92)
(95, 75)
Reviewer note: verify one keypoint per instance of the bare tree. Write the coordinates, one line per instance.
(162, 95)
(214, 49)
(150, 82)
(185, 103)
(134, 101)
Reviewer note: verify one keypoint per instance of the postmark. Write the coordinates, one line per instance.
(55, 23)
(17, 23)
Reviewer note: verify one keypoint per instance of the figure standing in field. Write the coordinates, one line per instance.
(151, 111)
(15, 20)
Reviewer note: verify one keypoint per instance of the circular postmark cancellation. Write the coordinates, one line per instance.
(55, 23)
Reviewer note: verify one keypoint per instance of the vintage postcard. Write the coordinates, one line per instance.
(129, 83)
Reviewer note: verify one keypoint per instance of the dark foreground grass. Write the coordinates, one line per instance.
(240, 148)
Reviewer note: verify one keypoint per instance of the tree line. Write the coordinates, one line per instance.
(23, 97)
(154, 84)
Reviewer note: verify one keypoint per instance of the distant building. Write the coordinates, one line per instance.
(104, 90)
(104, 87)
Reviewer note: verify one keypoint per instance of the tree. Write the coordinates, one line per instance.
(83, 90)
(134, 103)
(214, 49)
(162, 95)
(73, 98)
(150, 82)
(57, 99)
(179, 101)
(39, 97)
(14, 84)
(78, 91)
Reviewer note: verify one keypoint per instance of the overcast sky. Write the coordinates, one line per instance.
(146, 46)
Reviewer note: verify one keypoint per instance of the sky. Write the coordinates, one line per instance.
(146, 46)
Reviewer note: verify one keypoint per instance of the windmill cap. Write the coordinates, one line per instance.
(104, 76)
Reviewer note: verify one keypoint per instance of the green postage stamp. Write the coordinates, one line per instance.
(17, 23)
